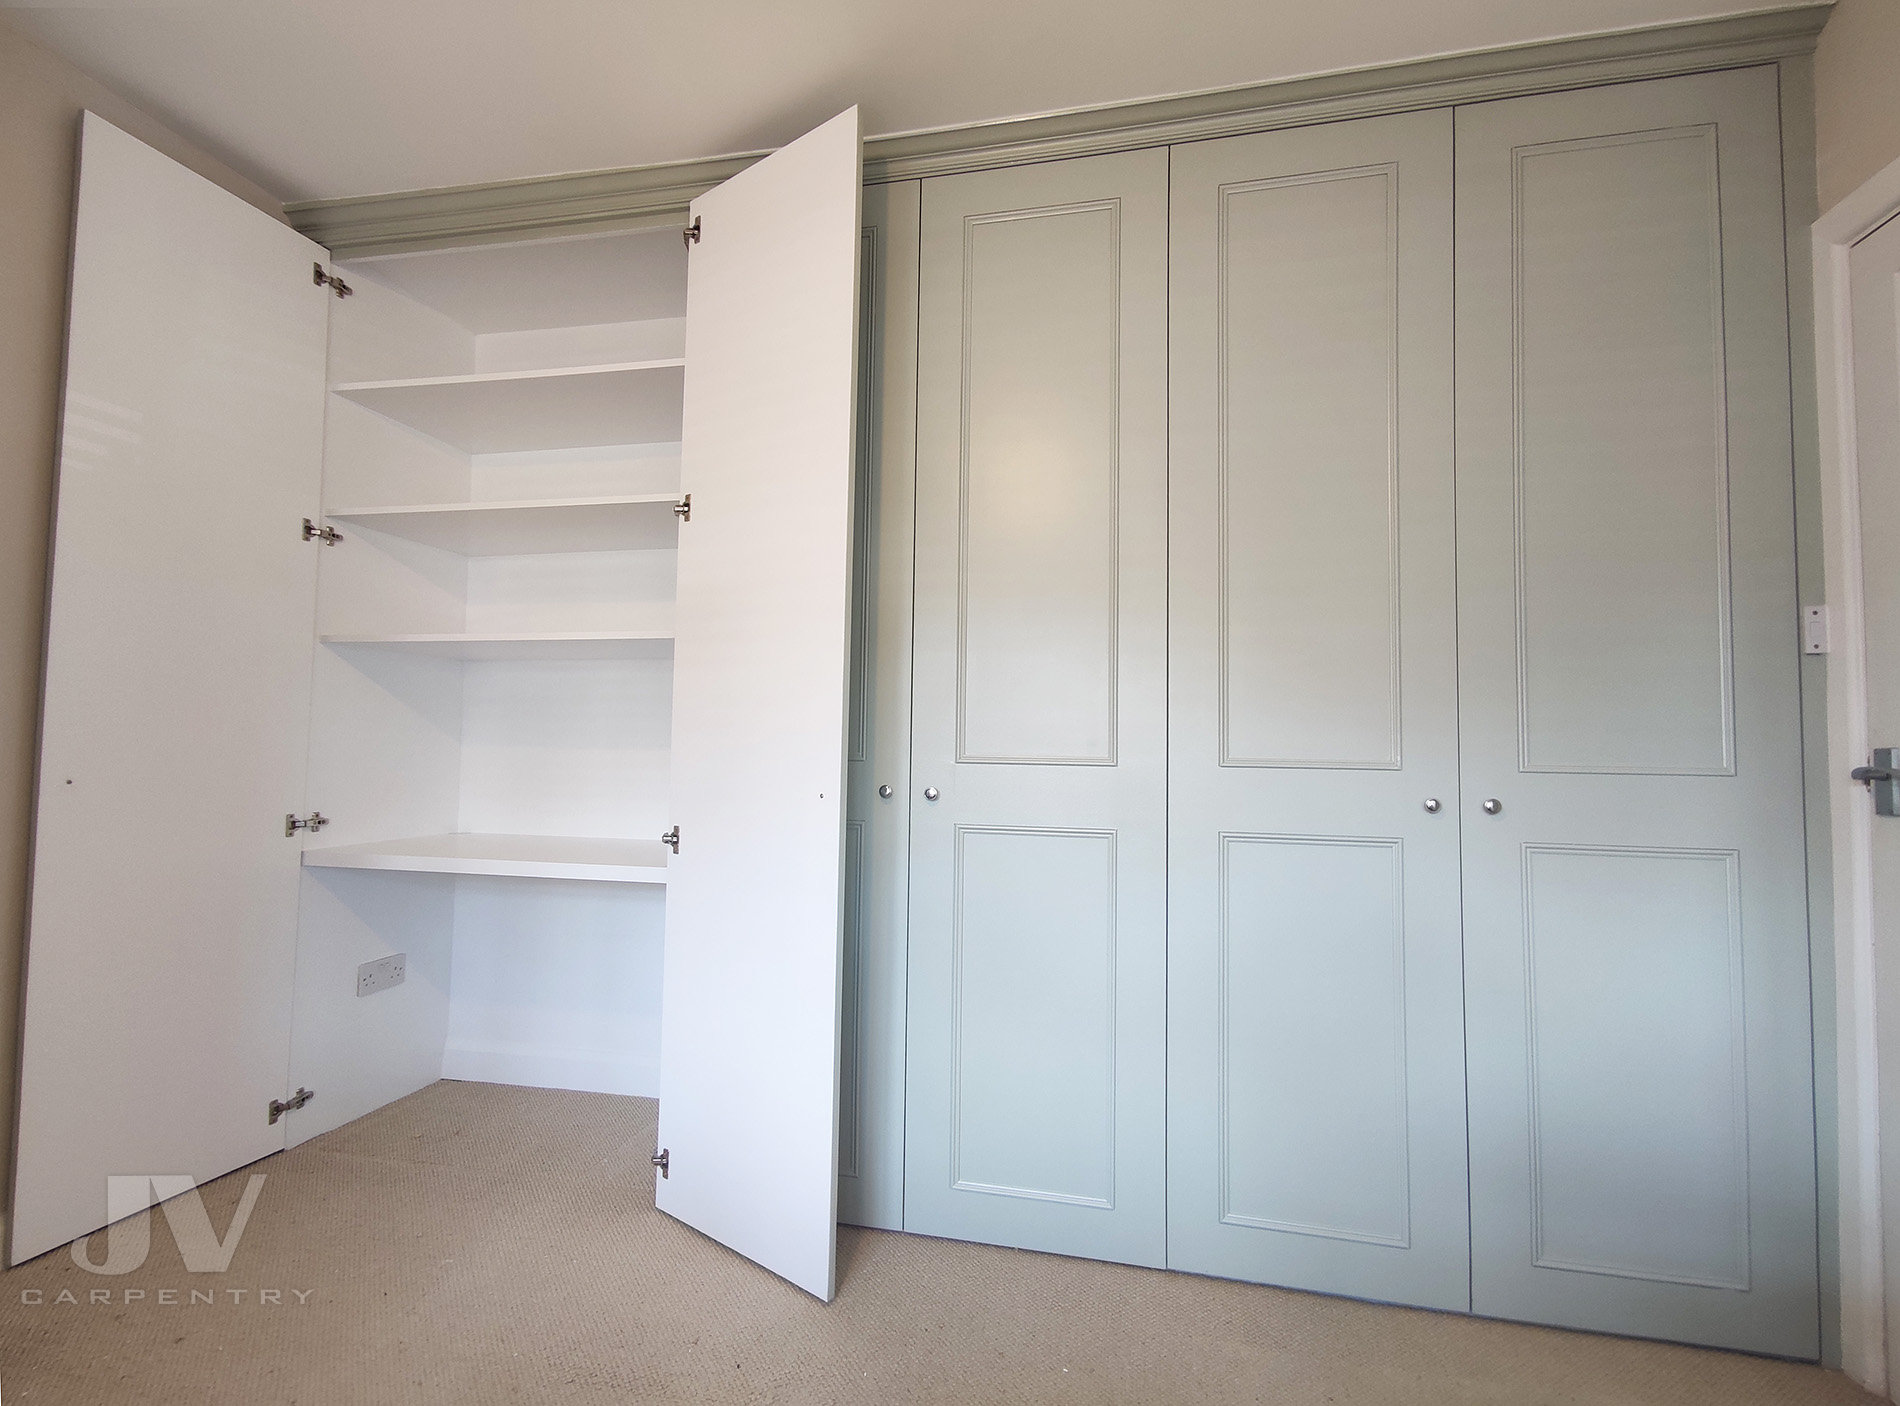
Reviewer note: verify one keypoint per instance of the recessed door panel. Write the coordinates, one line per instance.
(1034, 954)
(1636, 1078)
(1621, 462)
(1637, 995)
(1037, 981)
(1315, 1065)
(1308, 359)
(1312, 1035)
(1040, 473)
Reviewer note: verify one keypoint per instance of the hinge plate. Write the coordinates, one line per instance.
(672, 837)
(690, 235)
(683, 510)
(330, 280)
(280, 1106)
(663, 1159)
(329, 536)
(312, 822)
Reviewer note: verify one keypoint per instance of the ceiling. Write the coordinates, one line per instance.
(320, 98)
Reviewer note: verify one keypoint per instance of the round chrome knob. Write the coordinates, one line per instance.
(1493, 806)
(931, 793)
(1432, 805)
(885, 792)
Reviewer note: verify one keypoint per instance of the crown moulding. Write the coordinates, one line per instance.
(637, 196)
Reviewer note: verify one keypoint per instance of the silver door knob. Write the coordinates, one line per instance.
(1493, 806)
(1432, 805)
(885, 792)
(931, 793)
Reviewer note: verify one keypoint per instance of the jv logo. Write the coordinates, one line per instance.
(128, 1232)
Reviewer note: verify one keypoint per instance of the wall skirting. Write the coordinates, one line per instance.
(641, 195)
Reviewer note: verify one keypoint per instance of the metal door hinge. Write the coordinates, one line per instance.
(329, 536)
(691, 233)
(313, 822)
(672, 837)
(329, 280)
(683, 510)
(663, 1159)
(280, 1106)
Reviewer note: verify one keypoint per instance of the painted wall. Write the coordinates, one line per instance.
(1856, 95)
(41, 98)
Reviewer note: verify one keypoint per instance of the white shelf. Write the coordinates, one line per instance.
(511, 856)
(529, 526)
(500, 412)
(612, 644)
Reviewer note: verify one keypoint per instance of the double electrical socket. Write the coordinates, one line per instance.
(376, 976)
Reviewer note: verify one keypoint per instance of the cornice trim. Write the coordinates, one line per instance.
(641, 195)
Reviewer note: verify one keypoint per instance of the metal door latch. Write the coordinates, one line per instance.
(672, 837)
(663, 1159)
(1883, 779)
(683, 510)
(313, 822)
(329, 536)
(280, 1106)
(330, 280)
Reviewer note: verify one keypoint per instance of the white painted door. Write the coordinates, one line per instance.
(749, 1026)
(1316, 1129)
(1036, 1038)
(1642, 1134)
(1874, 266)
(177, 690)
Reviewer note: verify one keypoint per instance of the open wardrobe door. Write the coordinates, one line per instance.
(749, 1032)
(175, 724)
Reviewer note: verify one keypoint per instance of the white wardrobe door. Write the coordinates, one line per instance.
(1642, 1134)
(163, 923)
(749, 1030)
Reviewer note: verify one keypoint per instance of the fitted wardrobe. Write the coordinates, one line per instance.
(1214, 694)
(1337, 617)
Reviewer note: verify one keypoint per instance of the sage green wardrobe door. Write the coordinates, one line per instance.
(877, 826)
(1036, 1061)
(1316, 1130)
(1642, 1130)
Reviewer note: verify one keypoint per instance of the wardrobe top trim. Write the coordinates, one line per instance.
(643, 196)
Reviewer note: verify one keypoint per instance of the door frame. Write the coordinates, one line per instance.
(1862, 1276)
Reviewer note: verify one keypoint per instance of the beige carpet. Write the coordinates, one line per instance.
(476, 1243)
